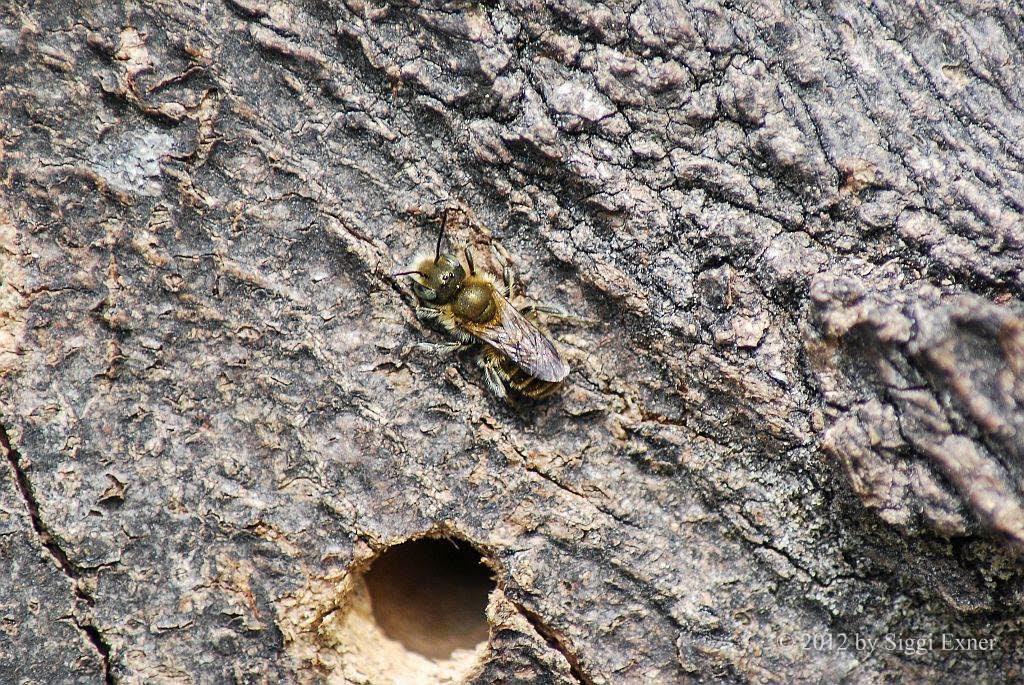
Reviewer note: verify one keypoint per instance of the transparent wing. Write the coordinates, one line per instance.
(522, 342)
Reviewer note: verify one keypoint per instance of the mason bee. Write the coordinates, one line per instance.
(474, 310)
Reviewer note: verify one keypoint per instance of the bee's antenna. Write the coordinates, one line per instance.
(440, 236)
(409, 273)
(469, 260)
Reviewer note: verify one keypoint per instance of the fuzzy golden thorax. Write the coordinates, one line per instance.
(475, 300)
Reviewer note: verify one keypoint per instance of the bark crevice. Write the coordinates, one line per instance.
(60, 558)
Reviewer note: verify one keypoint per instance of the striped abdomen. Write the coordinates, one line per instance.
(519, 379)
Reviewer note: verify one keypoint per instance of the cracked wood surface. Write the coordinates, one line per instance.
(798, 226)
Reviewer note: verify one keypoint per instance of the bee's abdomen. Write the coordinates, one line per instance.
(520, 380)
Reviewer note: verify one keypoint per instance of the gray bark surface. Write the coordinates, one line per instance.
(796, 411)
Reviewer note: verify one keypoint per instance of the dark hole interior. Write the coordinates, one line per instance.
(431, 595)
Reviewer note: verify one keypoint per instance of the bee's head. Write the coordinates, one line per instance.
(436, 281)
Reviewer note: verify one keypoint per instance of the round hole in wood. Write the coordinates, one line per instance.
(431, 595)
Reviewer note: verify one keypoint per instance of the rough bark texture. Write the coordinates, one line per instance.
(798, 412)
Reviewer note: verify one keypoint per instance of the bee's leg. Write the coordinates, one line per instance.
(495, 383)
(441, 348)
(427, 313)
(507, 278)
(553, 310)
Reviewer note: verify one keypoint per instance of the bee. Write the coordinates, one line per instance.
(474, 310)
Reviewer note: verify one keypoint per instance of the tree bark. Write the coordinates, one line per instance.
(791, 448)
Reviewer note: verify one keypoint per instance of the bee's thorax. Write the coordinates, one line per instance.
(474, 301)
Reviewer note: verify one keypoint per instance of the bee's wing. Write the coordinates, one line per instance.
(522, 342)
